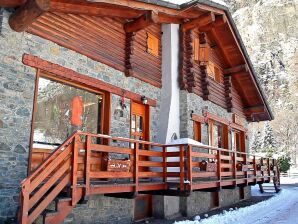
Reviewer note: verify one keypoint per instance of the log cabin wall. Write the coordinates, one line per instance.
(195, 76)
(104, 39)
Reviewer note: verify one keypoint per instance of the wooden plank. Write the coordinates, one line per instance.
(110, 174)
(136, 166)
(11, 3)
(68, 74)
(142, 22)
(151, 153)
(224, 157)
(150, 164)
(205, 185)
(74, 181)
(49, 198)
(150, 174)
(203, 155)
(49, 183)
(164, 162)
(236, 69)
(204, 174)
(87, 165)
(202, 20)
(181, 153)
(111, 149)
(49, 169)
(226, 174)
(172, 154)
(190, 165)
(226, 165)
(27, 14)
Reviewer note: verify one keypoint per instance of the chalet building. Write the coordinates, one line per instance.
(100, 101)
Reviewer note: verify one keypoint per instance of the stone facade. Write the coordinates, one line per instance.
(199, 202)
(17, 83)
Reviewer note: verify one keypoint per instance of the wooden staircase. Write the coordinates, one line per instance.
(80, 168)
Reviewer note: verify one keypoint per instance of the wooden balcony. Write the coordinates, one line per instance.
(81, 167)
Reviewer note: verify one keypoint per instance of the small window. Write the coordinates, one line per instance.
(217, 74)
(152, 45)
(196, 49)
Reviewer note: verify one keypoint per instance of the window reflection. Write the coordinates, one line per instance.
(62, 109)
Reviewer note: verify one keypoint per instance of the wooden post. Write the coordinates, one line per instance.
(75, 168)
(268, 168)
(87, 165)
(234, 167)
(219, 167)
(25, 204)
(190, 166)
(246, 172)
(136, 167)
(164, 160)
(262, 171)
(181, 167)
(255, 168)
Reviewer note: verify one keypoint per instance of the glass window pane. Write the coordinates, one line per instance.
(63, 109)
(140, 124)
(133, 123)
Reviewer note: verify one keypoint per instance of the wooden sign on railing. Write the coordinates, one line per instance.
(119, 165)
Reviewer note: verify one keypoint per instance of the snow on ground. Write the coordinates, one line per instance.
(289, 180)
(280, 209)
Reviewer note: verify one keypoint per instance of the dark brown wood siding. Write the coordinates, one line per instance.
(102, 39)
(144, 64)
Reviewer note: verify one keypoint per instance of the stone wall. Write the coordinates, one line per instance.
(200, 202)
(16, 99)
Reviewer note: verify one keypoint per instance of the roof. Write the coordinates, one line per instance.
(216, 4)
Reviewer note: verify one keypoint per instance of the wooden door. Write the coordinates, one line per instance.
(139, 129)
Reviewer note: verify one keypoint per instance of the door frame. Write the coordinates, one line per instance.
(105, 120)
(146, 121)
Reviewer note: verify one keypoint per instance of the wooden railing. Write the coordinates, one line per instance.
(81, 167)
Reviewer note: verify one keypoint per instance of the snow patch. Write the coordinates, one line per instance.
(270, 211)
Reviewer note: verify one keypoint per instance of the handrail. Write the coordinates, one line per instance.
(48, 160)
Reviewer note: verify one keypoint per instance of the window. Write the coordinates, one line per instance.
(152, 45)
(236, 140)
(197, 131)
(214, 72)
(215, 134)
(196, 49)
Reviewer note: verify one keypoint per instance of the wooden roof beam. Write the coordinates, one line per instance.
(147, 19)
(202, 20)
(11, 3)
(260, 109)
(220, 20)
(236, 69)
(27, 14)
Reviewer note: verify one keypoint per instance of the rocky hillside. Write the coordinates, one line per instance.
(269, 29)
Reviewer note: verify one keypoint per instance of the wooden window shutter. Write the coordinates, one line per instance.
(204, 53)
(152, 45)
(196, 49)
(210, 70)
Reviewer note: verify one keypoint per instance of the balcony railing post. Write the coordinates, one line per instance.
(136, 167)
(25, 204)
(246, 172)
(190, 166)
(255, 169)
(164, 161)
(234, 167)
(262, 169)
(75, 168)
(87, 165)
(219, 167)
(268, 168)
(181, 153)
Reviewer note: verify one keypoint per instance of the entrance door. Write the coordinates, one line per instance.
(140, 130)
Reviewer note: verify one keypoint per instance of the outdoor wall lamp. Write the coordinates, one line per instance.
(144, 99)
